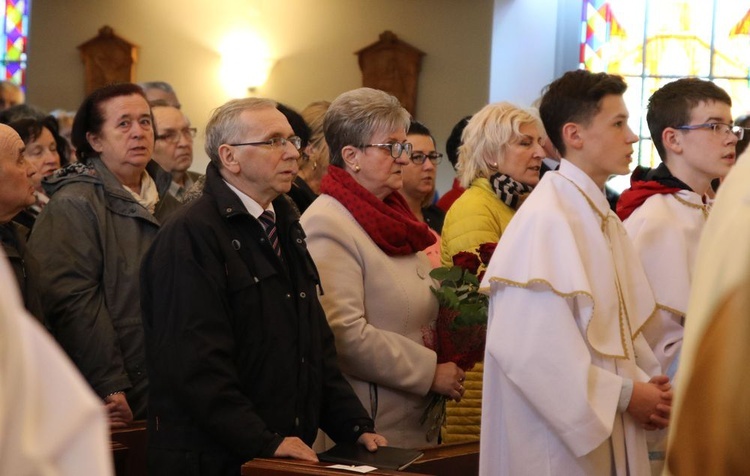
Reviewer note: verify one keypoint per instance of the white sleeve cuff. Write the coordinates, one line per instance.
(625, 393)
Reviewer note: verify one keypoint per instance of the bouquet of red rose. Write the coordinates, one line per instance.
(459, 332)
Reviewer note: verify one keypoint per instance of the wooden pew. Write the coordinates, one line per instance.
(129, 449)
(457, 459)
(461, 459)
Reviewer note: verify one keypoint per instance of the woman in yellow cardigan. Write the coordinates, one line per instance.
(498, 164)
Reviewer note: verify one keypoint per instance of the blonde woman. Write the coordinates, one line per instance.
(499, 165)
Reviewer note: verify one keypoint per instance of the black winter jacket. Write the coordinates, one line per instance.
(239, 351)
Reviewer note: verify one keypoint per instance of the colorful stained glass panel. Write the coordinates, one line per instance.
(653, 42)
(14, 41)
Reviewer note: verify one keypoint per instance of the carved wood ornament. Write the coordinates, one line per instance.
(393, 66)
(107, 59)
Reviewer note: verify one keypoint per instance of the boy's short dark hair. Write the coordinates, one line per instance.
(575, 97)
(671, 105)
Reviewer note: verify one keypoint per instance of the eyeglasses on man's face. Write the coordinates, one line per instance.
(418, 157)
(173, 136)
(275, 142)
(396, 148)
(718, 128)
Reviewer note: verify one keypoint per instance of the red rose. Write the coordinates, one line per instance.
(468, 261)
(485, 252)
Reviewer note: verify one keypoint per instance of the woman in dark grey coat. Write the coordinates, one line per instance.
(103, 215)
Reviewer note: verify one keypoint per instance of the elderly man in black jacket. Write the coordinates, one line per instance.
(240, 357)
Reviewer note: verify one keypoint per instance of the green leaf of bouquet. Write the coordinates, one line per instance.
(471, 279)
(474, 313)
(454, 274)
(440, 273)
(437, 292)
(451, 298)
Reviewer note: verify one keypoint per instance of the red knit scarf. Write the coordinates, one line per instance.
(389, 222)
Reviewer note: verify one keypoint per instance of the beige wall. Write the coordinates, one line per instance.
(313, 42)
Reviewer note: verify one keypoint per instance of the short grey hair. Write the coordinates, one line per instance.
(163, 85)
(486, 138)
(355, 116)
(225, 127)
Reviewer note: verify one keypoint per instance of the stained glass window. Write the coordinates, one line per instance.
(15, 34)
(651, 43)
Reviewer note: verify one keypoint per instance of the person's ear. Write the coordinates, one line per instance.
(571, 136)
(672, 140)
(309, 150)
(228, 158)
(94, 141)
(350, 154)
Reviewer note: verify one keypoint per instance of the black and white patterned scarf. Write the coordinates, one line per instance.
(510, 192)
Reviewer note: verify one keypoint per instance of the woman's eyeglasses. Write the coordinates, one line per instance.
(396, 148)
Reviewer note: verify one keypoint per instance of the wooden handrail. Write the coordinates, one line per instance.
(461, 459)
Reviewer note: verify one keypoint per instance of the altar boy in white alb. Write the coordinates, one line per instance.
(571, 384)
(665, 208)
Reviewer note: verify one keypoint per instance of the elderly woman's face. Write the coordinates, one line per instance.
(378, 172)
(523, 156)
(127, 134)
(42, 153)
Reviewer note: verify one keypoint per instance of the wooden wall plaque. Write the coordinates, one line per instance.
(393, 66)
(107, 59)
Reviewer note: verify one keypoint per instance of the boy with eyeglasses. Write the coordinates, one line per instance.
(666, 207)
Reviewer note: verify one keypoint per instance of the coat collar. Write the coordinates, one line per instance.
(229, 204)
